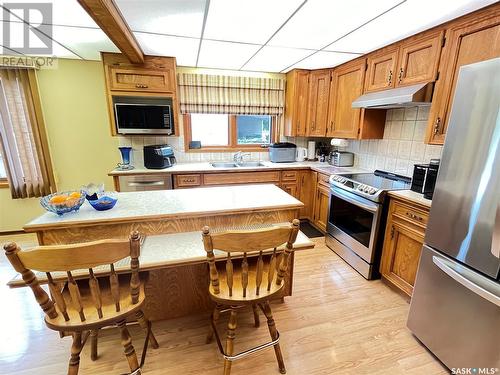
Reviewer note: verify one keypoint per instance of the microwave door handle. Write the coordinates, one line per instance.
(462, 279)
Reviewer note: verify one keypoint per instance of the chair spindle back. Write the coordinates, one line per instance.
(68, 258)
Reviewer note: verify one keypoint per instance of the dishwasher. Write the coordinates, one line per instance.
(145, 182)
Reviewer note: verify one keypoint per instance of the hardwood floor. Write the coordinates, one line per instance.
(335, 323)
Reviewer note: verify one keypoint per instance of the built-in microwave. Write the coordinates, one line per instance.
(143, 115)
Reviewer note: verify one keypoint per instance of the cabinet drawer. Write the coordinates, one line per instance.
(324, 179)
(187, 180)
(142, 80)
(289, 175)
(410, 214)
(241, 178)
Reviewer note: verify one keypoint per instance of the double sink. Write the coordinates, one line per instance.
(251, 164)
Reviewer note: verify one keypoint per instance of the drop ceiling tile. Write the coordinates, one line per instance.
(86, 42)
(245, 21)
(320, 22)
(407, 19)
(184, 49)
(174, 17)
(225, 55)
(64, 12)
(275, 59)
(324, 60)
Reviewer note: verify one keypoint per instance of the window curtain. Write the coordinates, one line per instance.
(201, 93)
(22, 135)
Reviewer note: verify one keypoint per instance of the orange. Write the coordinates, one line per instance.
(57, 199)
(75, 194)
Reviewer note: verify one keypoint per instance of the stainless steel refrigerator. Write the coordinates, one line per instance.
(455, 307)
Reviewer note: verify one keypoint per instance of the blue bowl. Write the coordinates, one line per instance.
(103, 203)
(72, 204)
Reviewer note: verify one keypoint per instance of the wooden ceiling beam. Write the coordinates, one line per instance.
(109, 18)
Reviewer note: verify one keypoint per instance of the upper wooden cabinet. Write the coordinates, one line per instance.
(469, 42)
(412, 61)
(346, 86)
(418, 59)
(296, 102)
(319, 90)
(157, 74)
(380, 71)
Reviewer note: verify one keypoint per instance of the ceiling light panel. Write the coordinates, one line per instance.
(247, 21)
(88, 43)
(225, 55)
(319, 22)
(174, 17)
(183, 49)
(64, 12)
(407, 19)
(324, 60)
(275, 59)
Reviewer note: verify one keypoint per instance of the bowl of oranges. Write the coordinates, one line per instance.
(61, 203)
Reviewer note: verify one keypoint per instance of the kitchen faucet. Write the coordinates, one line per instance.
(238, 157)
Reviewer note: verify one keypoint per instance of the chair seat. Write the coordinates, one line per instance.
(237, 296)
(92, 320)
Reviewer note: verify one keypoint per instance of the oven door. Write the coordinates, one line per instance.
(354, 221)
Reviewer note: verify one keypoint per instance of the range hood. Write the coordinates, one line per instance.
(408, 96)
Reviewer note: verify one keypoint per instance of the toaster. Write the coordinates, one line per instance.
(283, 152)
(341, 158)
(158, 156)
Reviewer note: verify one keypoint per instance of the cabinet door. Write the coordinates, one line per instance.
(380, 72)
(418, 60)
(290, 188)
(307, 185)
(296, 103)
(401, 254)
(321, 203)
(465, 44)
(142, 80)
(347, 85)
(319, 90)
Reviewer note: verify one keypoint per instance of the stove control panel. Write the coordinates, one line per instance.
(355, 187)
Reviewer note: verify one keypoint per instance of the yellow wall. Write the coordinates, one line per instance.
(81, 146)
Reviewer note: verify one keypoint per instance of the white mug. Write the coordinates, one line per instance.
(301, 154)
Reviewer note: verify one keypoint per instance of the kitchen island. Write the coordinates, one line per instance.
(172, 256)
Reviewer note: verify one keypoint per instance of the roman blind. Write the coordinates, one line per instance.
(22, 135)
(202, 93)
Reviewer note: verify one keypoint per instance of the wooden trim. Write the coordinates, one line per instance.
(12, 232)
(4, 183)
(42, 132)
(109, 18)
(232, 133)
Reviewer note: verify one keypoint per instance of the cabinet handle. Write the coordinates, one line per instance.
(332, 126)
(437, 125)
(413, 216)
(392, 231)
(141, 86)
(400, 77)
(389, 79)
(313, 126)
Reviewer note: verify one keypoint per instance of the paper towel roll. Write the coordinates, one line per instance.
(311, 150)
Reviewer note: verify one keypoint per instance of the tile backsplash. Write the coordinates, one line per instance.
(177, 143)
(402, 145)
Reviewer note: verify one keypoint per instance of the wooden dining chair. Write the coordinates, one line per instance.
(81, 309)
(236, 287)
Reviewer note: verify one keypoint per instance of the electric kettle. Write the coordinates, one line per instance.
(301, 154)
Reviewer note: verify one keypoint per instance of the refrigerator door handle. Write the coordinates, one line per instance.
(458, 277)
(495, 240)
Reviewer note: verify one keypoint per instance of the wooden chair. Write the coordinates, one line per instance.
(251, 286)
(79, 309)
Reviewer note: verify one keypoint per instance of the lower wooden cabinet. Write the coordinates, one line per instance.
(404, 237)
(321, 201)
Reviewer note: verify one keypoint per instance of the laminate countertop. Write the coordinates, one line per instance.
(170, 204)
(412, 197)
(321, 167)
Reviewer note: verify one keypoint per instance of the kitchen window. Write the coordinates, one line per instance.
(221, 132)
